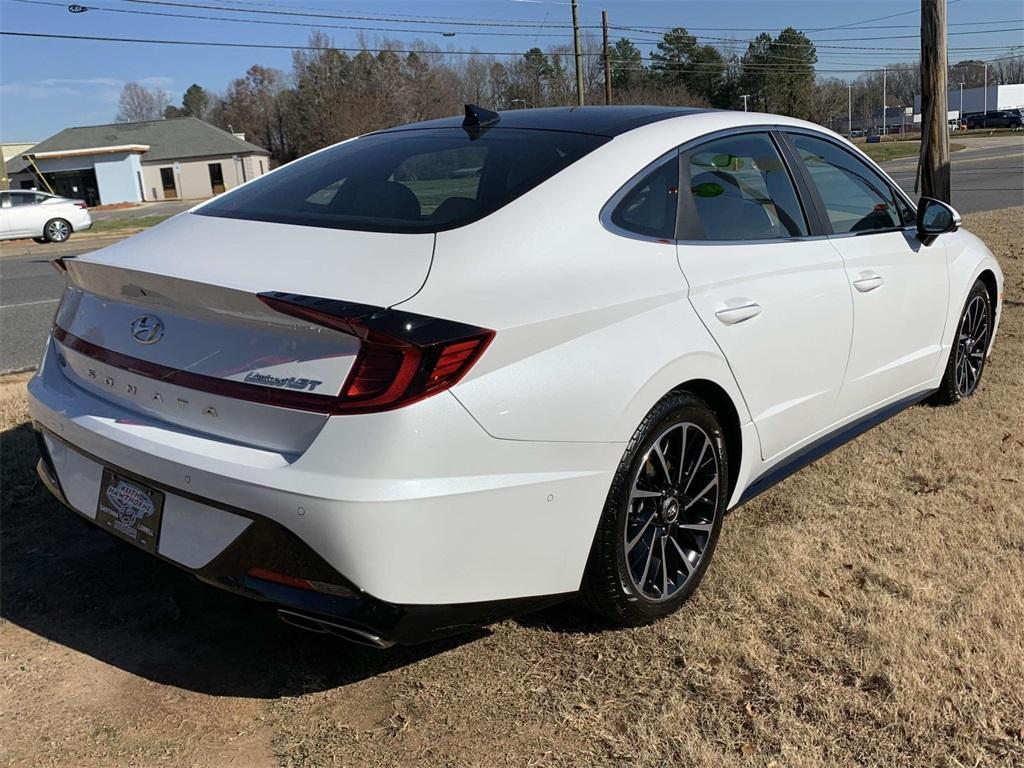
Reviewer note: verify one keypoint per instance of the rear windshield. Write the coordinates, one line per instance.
(406, 181)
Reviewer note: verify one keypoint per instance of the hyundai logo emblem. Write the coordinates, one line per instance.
(147, 329)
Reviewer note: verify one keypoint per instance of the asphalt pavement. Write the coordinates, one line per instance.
(987, 175)
(29, 291)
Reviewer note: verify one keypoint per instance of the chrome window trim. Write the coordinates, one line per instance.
(614, 200)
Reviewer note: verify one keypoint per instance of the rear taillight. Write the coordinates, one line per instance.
(402, 358)
(81, 204)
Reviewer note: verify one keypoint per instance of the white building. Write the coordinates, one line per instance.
(978, 100)
(179, 158)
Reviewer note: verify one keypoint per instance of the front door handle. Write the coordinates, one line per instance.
(867, 281)
(733, 315)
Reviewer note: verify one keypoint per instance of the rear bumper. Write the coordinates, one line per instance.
(429, 523)
(338, 606)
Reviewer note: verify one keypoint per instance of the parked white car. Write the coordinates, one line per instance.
(44, 217)
(446, 372)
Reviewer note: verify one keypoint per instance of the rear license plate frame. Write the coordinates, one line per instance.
(131, 510)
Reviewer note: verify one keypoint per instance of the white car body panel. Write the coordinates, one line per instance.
(448, 522)
(803, 299)
(491, 490)
(900, 308)
(367, 267)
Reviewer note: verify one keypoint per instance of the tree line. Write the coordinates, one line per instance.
(329, 95)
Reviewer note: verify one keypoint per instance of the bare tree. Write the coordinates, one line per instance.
(138, 103)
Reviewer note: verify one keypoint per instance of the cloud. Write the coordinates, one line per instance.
(107, 81)
(104, 89)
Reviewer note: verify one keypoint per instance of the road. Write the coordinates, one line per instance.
(29, 291)
(987, 175)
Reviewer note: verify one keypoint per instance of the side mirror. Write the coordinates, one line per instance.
(935, 218)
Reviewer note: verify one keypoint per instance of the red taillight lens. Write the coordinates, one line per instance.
(402, 357)
(81, 204)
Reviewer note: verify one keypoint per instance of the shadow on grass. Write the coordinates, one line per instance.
(66, 580)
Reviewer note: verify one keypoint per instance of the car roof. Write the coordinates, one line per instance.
(599, 121)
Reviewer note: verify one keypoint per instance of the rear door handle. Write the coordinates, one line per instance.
(867, 281)
(733, 315)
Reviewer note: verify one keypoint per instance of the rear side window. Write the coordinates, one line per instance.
(649, 208)
(856, 198)
(406, 181)
(739, 189)
(23, 198)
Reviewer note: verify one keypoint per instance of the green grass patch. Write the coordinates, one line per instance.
(433, 192)
(893, 150)
(114, 225)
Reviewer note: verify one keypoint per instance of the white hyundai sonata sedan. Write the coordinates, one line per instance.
(455, 370)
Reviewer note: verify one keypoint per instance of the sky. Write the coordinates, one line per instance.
(50, 84)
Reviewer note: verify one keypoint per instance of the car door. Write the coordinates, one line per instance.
(5, 214)
(899, 287)
(773, 296)
(23, 216)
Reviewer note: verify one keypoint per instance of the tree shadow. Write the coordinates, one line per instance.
(64, 579)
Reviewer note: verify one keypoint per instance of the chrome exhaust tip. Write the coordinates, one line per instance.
(325, 627)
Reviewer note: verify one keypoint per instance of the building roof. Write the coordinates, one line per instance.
(171, 139)
(601, 121)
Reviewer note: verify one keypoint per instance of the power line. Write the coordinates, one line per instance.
(227, 44)
(320, 25)
(346, 17)
(457, 21)
(878, 18)
(305, 25)
(282, 46)
(826, 40)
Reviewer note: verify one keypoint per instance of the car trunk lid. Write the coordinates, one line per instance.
(169, 324)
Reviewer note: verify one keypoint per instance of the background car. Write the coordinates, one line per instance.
(44, 217)
(454, 370)
(996, 118)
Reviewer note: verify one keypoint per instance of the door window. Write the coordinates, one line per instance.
(856, 198)
(739, 189)
(22, 198)
(649, 208)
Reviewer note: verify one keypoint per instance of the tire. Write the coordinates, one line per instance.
(56, 231)
(628, 580)
(970, 345)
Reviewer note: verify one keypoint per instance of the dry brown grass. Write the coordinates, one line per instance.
(867, 612)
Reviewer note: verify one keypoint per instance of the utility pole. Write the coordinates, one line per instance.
(578, 53)
(986, 87)
(849, 109)
(607, 59)
(744, 96)
(960, 117)
(933, 166)
(5, 183)
(884, 73)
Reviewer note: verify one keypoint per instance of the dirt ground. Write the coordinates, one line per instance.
(867, 612)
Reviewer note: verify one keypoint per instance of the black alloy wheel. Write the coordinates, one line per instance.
(663, 515)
